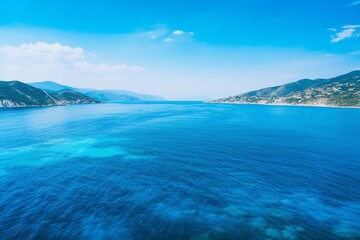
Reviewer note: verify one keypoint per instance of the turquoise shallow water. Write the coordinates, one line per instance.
(180, 171)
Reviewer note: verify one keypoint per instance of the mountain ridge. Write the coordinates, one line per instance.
(15, 94)
(106, 95)
(340, 91)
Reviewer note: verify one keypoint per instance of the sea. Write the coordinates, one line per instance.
(180, 170)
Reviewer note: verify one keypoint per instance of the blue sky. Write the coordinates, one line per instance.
(177, 49)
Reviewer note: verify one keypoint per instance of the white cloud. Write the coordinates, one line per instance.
(169, 40)
(339, 36)
(351, 26)
(181, 32)
(44, 51)
(347, 31)
(39, 61)
(178, 32)
(355, 3)
(105, 68)
(162, 33)
(156, 33)
(58, 55)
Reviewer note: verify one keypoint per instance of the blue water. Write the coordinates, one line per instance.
(180, 171)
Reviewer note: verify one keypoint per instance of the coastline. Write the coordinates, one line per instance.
(2, 107)
(286, 105)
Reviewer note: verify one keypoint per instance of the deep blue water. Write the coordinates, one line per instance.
(180, 171)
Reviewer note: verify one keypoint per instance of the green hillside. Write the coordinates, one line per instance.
(341, 91)
(18, 94)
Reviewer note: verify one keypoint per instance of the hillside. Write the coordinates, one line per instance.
(69, 96)
(341, 91)
(18, 94)
(102, 95)
(50, 86)
(111, 96)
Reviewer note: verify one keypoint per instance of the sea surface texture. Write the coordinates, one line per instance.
(180, 171)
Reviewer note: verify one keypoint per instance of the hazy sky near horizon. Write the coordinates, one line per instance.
(178, 49)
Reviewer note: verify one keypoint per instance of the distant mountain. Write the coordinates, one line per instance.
(341, 91)
(111, 96)
(18, 94)
(102, 95)
(68, 96)
(50, 86)
(119, 95)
